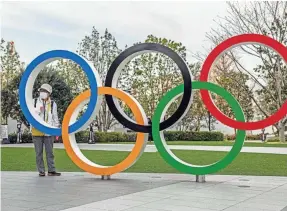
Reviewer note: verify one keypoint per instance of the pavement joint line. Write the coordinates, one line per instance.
(263, 192)
(213, 185)
(148, 202)
(152, 201)
(134, 193)
(131, 194)
(194, 190)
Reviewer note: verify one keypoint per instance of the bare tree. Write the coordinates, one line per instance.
(269, 78)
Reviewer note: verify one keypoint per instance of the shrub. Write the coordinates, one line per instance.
(193, 136)
(275, 139)
(81, 137)
(105, 137)
(12, 138)
(230, 137)
(248, 137)
(26, 138)
(174, 135)
(130, 137)
(253, 137)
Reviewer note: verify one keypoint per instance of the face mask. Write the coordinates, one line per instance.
(43, 95)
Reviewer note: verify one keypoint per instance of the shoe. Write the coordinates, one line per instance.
(54, 173)
(42, 174)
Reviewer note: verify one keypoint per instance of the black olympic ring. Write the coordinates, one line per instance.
(114, 73)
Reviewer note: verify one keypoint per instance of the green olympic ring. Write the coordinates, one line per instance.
(168, 155)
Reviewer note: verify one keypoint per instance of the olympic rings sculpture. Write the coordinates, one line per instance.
(93, 97)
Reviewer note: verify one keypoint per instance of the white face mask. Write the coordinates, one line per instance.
(43, 95)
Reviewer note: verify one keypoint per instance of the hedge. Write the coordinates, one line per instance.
(104, 137)
(248, 137)
(274, 139)
(193, 136)
(254, 137)
(26, 138)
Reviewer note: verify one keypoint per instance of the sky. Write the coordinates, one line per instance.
(37, 27)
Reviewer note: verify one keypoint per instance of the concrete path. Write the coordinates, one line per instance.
(25, 191)
(152, 148)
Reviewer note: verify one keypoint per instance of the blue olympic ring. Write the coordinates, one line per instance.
(93, 87)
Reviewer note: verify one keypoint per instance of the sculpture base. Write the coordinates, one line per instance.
(108, 177)
(200, 178)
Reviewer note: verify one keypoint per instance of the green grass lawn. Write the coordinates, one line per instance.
(212, 143)
(23, 159)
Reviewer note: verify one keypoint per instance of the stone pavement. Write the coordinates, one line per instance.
(25, 191)
(152, 148)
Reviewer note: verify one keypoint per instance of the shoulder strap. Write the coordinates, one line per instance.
(52, 106)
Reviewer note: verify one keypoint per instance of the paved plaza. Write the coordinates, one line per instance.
(25, 191)
(152, 148)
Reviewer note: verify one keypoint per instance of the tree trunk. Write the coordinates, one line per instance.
(281, 132)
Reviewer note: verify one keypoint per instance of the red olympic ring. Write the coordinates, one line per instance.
(225, 45)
